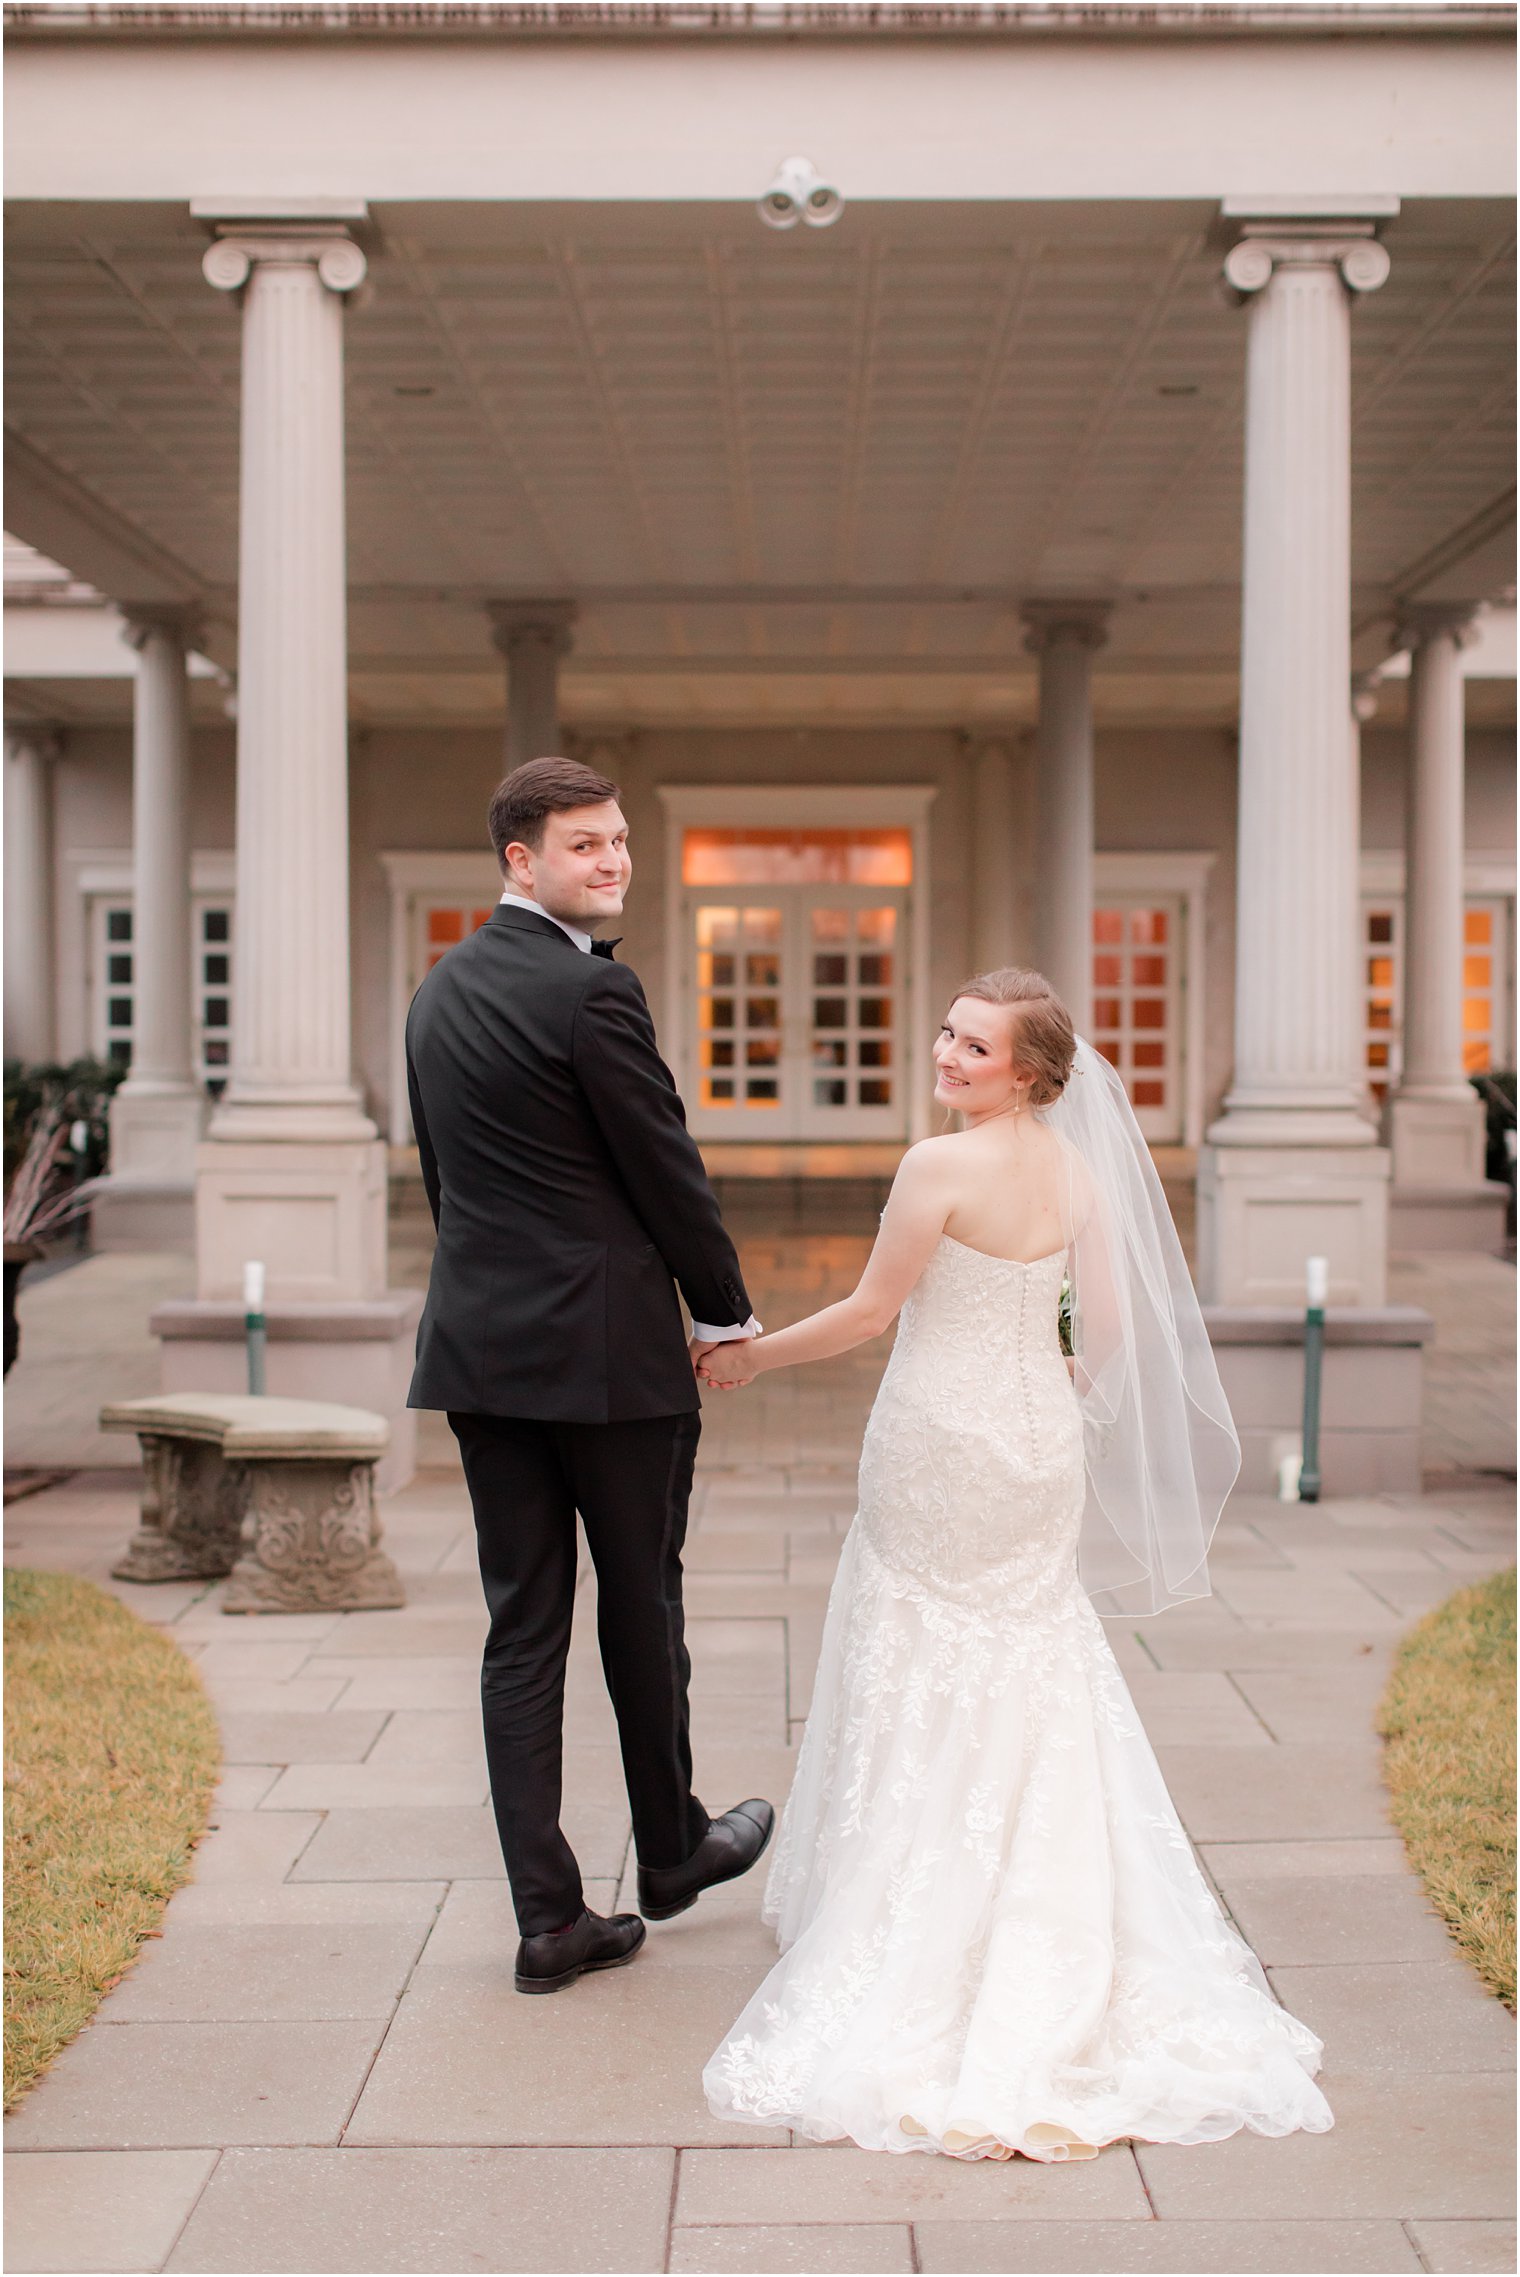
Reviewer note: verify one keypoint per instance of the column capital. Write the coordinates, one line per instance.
(182, 620)
(1264, 247)
(326, 246)
(1366, 688)
(40, 738)
(1082, 624)
(521, 624)
(1420, 622)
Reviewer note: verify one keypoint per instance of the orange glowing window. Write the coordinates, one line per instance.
(797, 857)
(1479, 926)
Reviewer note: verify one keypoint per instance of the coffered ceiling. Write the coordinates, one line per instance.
(788, 477)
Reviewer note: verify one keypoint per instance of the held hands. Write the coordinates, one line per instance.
(727, 1366)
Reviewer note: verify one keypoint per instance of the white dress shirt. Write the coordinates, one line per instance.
(699, 1328)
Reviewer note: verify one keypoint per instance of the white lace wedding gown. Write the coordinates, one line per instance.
(995, 1936)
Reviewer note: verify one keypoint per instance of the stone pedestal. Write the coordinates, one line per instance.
(358, 1355)
(1264, 1210)
(1370, 1392)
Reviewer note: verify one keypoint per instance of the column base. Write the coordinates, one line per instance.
(155, 1133)
(1436, 1142)
(1371, 1393)
(1262, 1211)
(312, 1212)
(358, 1355)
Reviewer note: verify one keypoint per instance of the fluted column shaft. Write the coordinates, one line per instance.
(161, 940)
(291, 1068)
(1432, 1022)
(1297, 1025)
(1065, 635)
(30, 982)
(532, 636)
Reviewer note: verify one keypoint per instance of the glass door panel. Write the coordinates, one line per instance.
(1137, 1002)
(852, 1017)
(741, 1080)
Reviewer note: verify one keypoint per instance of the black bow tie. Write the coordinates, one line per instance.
(605, 948)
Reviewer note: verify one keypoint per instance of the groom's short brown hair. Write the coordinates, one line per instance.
(524, 800)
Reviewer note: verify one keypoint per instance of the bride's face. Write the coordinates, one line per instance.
(974, 1058)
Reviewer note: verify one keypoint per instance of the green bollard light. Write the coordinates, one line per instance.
(253, 1325)
(1317, 1274)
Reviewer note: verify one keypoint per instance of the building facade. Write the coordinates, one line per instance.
(1081, 533)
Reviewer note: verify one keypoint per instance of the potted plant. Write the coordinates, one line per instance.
(55, 1139)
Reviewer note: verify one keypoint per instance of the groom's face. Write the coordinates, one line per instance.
(581, 871)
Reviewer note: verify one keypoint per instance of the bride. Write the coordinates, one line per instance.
(995, 1937)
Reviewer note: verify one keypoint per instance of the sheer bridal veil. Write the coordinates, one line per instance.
(1161, 1448)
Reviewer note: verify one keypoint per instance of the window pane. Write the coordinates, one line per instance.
(215, 970)
(1149, 1055)
(1108, 925)
(119, 1052)
(722, 1014)
(764, 1090)
(444, 927)
(875, 1012)
(1380, 972)
(1475, 1014)
(832, 1055)
(830, 1094)
(1380, 925)
(216, 1051)
(875, 1091)
(830, 1012)
(830, 972)
(1149, 1012)
(873, 1052)
(119, 971)
(831, 925)
(1147, 924)
(875, 972)
(763, 1012)
(119, 1012)
(1476, 971)
(1476, 1057)
(1478, 925)
(1380, 1015)
(1106, 1011)
(797, 857)
(715, 972)
(1108, 1049)
(1107, 971)
(762, 970)
(1149, 972)
(118, 924)
(1377, 1055)
(762, 1051)
(878, 926)
(215, 1013)
(717, 928)
(718, 1051)
(215, 924)
(1149, 1093)
(720, 1091)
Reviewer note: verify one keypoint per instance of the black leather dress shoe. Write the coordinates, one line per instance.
(729, 1848)
(550, 1962)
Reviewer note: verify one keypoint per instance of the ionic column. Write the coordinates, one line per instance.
(30, 981)
(1435, 1120)
(994, 863)
(156, 1116)
(532, 636)
(1064, 635)
(1293, 1166)
(292, 1173)
(291, 1068)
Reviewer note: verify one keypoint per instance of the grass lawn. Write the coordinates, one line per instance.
(111, 1753)
(1448, 1716)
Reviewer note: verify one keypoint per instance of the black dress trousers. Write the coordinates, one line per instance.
(631, 1483)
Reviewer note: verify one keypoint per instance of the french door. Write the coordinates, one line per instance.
(1137, 1003)
(794, 1000)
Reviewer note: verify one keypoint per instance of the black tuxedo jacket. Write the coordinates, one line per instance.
(568, 1194)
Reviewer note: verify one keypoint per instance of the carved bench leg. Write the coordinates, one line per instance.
(311, 1542)
(191, 1515)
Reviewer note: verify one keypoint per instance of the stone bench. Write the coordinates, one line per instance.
(278, 1494)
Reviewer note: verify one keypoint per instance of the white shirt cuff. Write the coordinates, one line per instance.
(702, 1334)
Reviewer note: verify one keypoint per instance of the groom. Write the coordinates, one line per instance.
(570, 1200)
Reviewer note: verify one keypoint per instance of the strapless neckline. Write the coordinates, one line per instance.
(1023, 1264)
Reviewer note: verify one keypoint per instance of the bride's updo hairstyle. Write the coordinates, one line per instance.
(1044, 1040)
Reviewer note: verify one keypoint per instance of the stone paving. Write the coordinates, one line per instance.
(322, 2065)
